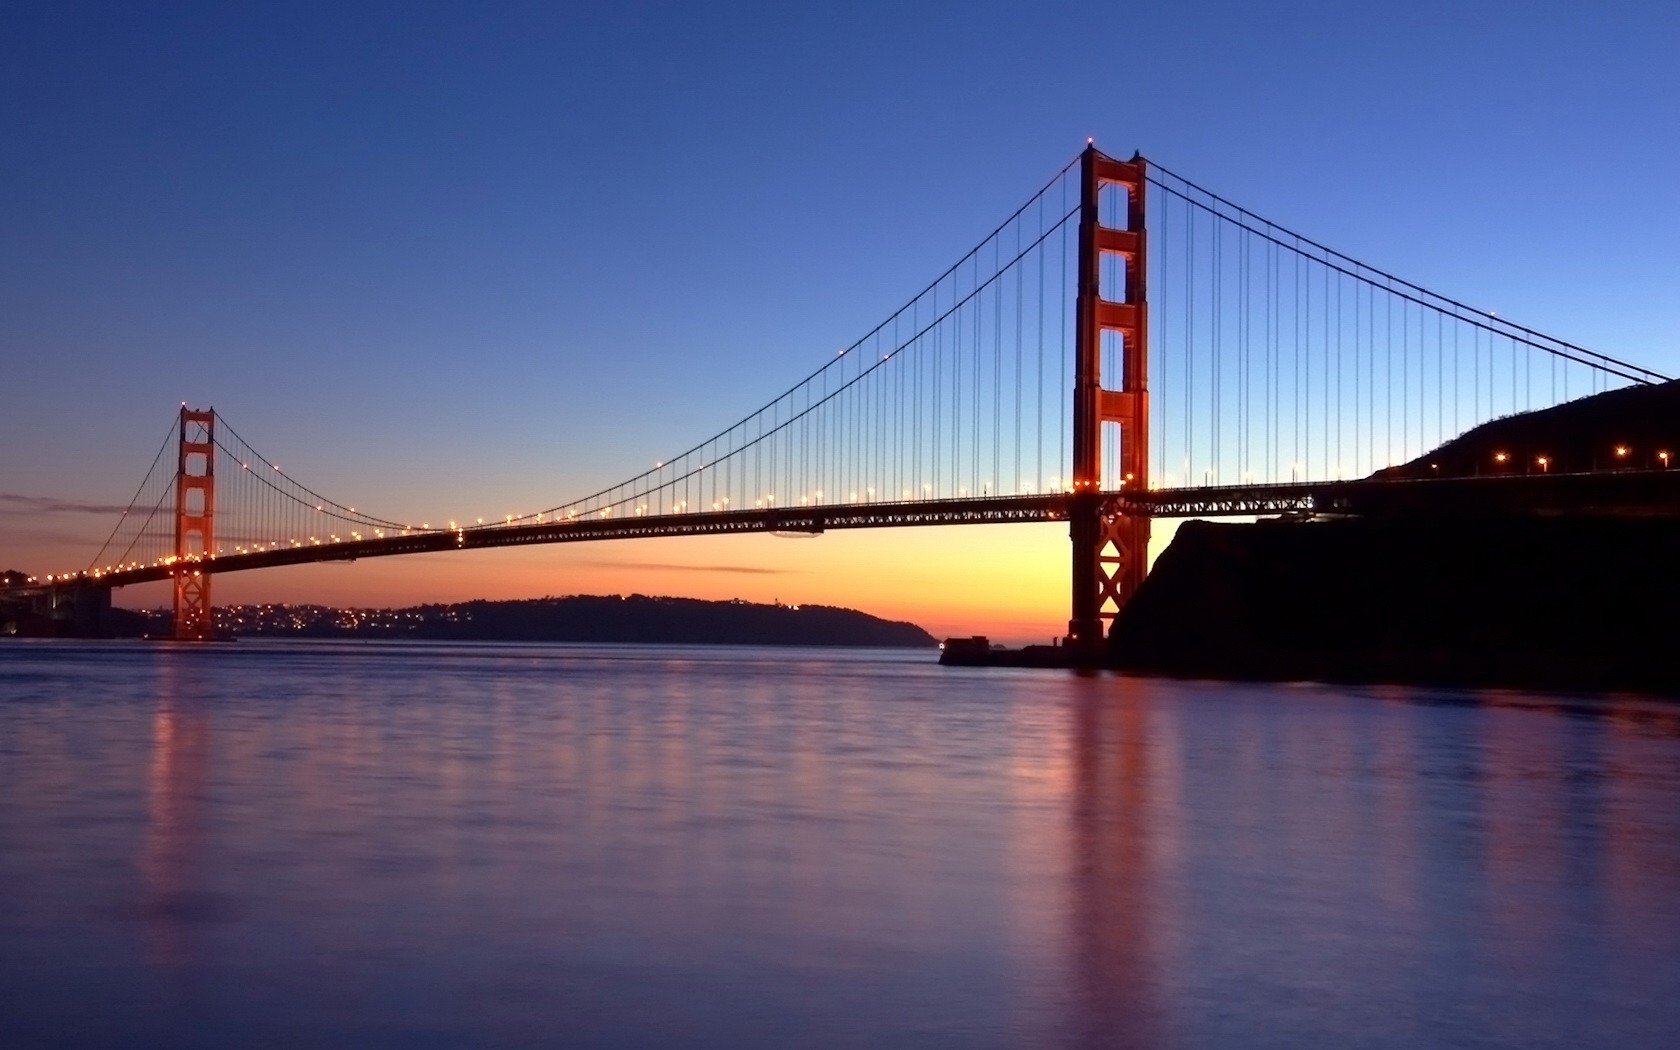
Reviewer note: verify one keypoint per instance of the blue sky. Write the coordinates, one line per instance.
(487, 255)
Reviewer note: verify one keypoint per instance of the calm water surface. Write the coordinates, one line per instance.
(383, 845)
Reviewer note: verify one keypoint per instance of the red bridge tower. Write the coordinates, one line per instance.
(1110, 549)
(195, 524)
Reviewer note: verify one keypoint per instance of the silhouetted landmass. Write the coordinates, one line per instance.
(126, 623)
(1558, 603)
(583, 618)
(1580, 435)
(1543, 602)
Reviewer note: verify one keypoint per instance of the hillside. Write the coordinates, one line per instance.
(585, 618)
(1579, 435)
(1560, 602)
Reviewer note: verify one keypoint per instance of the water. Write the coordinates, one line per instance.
(383, 845)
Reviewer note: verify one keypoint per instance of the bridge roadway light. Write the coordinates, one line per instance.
(1664, 457)
(1544, 463)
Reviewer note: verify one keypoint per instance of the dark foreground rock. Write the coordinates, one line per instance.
(1577, 604)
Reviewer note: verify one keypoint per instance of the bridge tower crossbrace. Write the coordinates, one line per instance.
(1110, 548)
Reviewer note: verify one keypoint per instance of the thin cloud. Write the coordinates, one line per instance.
(51, 539)
(743, 570)
(12, 503)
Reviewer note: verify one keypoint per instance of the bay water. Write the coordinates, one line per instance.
(381, 844)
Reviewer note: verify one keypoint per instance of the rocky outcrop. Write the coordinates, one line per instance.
(1561, 603)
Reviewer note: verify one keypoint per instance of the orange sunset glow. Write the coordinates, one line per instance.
(1006, 581)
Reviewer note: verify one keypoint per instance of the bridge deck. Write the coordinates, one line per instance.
(1641, 492)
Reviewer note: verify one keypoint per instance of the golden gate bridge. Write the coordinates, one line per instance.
(1126, 345)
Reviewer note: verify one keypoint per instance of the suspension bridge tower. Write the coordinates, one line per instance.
(195, 523)
(1110, 548)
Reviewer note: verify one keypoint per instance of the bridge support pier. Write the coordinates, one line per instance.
(1110, 557)
(70, 610)
(195, 524)
(1110, 550)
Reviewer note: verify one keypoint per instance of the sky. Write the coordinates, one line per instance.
(456, 260)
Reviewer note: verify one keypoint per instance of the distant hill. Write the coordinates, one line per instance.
(585, 618)
(1580, 435)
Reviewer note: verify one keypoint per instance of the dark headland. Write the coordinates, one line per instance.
(1587, 601)
(632, 618)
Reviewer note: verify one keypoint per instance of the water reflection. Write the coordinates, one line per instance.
(1407, 866)
(1113, 869)
(481, 846)
(170, 856)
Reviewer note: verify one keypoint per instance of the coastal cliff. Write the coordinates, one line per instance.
(1559, 603)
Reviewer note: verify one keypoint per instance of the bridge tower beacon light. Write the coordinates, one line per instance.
(1110, 548)
(195, 524)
